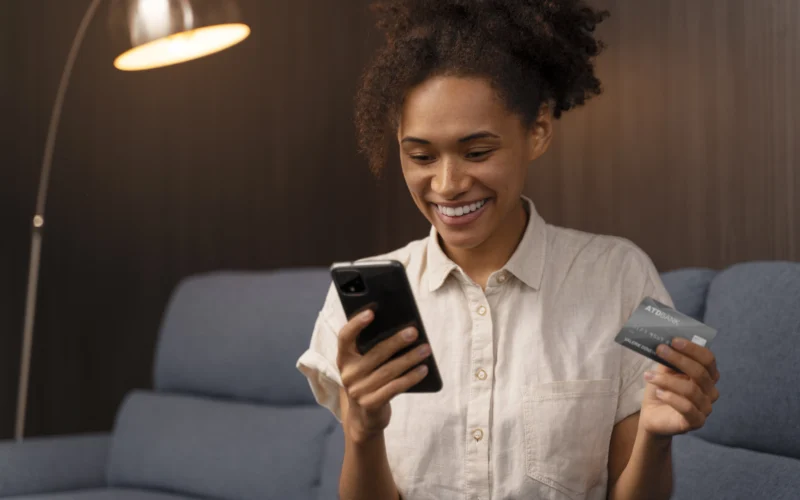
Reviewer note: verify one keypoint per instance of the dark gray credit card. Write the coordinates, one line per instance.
(653, 323)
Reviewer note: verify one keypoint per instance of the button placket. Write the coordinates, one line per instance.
(480, 394)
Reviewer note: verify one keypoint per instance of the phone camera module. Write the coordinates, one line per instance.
(352, 283)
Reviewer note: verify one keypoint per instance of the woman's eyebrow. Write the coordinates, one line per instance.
(483, 134)
(477, 135)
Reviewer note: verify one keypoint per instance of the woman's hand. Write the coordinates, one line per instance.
(369, 383)
(676, 403)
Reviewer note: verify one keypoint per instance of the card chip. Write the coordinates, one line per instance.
(699, 340)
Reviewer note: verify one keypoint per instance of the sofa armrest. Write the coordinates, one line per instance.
(47, 465)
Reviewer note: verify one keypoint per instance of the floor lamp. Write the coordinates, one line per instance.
(161, 33)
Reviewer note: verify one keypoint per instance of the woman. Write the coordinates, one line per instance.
(538, 400)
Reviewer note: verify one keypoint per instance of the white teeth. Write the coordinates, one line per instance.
(459, 211)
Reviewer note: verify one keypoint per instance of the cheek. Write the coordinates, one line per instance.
(501, 174)
(415, 180)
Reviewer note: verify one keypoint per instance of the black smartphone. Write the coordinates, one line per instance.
(382, 286)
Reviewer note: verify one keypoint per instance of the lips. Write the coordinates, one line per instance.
(462, 214)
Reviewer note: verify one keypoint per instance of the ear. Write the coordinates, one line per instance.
(540, 133)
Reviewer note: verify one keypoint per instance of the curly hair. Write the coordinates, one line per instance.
(530, 51)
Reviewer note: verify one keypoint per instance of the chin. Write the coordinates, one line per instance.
(463, 240)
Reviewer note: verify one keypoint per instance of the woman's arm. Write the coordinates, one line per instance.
(365, 471)
(639, 464)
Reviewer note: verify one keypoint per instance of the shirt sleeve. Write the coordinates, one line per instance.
(318, 362)
(644, 281)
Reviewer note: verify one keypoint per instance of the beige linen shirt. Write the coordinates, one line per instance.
(533, 382)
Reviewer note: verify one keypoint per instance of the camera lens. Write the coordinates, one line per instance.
(351, 282)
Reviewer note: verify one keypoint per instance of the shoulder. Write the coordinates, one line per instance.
(589, 246)
(573, 246)
(605, 260)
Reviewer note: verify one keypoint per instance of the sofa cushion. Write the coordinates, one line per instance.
(707, 470)
(756, 309)
(688, 289)
(110, 494)
(332, 465)
(238, 335)
(42, 464)
(219, 449)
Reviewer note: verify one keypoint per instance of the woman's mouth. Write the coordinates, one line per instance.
(461, 214)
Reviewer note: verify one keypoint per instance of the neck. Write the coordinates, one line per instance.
(480, 262)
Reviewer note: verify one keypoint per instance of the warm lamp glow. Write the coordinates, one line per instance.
(182, 47)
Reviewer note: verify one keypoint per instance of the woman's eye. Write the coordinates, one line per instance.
(421, 158)
(474, 155)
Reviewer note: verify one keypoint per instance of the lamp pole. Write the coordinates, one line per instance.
(38, 223)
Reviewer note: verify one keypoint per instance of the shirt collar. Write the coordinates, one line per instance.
(526, 263)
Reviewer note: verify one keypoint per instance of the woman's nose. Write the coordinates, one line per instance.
(450, 180)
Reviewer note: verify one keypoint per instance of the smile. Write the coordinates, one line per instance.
(460, 211)
(460, 215)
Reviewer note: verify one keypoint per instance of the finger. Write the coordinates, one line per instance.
(385, 394)
(694, 417)
(689, 366)
(348, 334)
(699, 353)
(374, 380)
(358, 368)
(382, 352)
(682, 387)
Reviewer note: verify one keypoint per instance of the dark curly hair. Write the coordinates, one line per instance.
(531, 52)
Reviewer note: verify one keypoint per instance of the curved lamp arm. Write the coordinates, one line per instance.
(38, 223)
(181, 31)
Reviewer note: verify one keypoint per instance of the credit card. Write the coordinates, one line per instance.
(654, 323)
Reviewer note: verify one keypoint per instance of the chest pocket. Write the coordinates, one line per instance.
(568, 428)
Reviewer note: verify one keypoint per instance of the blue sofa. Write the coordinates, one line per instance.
(231, 418)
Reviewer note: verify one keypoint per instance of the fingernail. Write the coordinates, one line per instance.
(424, 351)
(422, 369)
(662, 350)
(366, 315)
(410, 334)
(649, 375)
(659, 393)
(679, 342)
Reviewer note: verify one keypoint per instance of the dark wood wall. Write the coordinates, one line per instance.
(693, 150)
(246, 160)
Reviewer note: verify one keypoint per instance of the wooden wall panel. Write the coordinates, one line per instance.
(10, 251)
(246, 160)
(692, 150)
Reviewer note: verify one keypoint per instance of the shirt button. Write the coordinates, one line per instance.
(477, 434)
(502, 278)
(481, 375)
(482, 311)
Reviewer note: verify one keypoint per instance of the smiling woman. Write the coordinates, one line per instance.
(537, 399)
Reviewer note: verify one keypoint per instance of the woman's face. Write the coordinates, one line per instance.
(465, 157)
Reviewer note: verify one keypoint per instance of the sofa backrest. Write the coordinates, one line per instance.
(688, 289)
(756, 309)
(238, 335)
(231, 417)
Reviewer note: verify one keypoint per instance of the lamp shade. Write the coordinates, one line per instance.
(166, 32)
